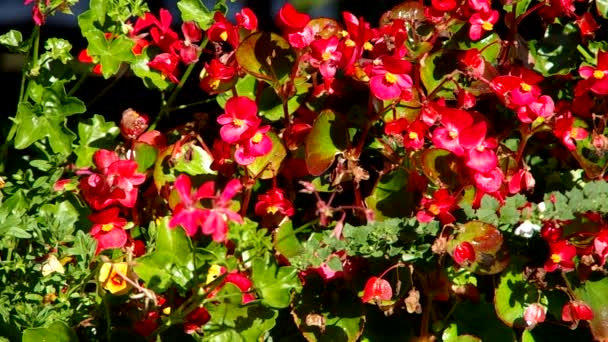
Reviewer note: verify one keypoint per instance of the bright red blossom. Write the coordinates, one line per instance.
(376, 290)
(464, 254)
(481, 22)
(240, 118)
(561, 257)
(389, 79)
(273, 202)
(108, 229)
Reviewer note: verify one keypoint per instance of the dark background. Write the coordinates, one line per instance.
(130, 92)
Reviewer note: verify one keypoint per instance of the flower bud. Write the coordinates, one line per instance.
(377, 289)
(535, 314)
(132, 124)
(464, 254)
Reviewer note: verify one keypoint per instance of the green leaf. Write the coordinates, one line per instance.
(58, 49)
(111, 52)
(145, 155)
(94, 133)
(171, 261)
(29, 126)
(99, 8)
(11, 40)
(268, 166)
(57, 331)
(602, 7)
(479, 319)
(271, 106)
(327, 137)
(556, 53)
(434, 70)
(194, 160)
(285, 240)
(593, 293)
(195, 10)
(273, 283)
(442, 167)
(513, 294)
(390, 198)
(267, 56)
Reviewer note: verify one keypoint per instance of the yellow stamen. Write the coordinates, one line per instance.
(434, 209)
(390, 78)
(413, 135)
(556, 258)
(453, 134)
(343, 33)
(368, 46)
(574, 133)
(167, 310)
(480, 148)
(272, 210)
(257, 137)
(525, 86)
(215, 84)
(224, 36)
(238, 122)
(107, 227)
(349, 43)
(598, 74)
(488, 26)
(326, 56)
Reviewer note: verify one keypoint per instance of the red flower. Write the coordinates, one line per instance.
(438, 206)
(247, 19)
(376, 290)
(575, 311)
(196, 319)
(116, 183)
(464, 254)
(217, 77)
(479, 155)
(444, 5)
(562, 256)
(600, 245)
(240, 118)
(273, 202)
(290, 20)
(108, 229)
(240, 279)
(587, 24)
(223, 31)
(490, 181)
(598, 76)
(565, 130)
(167, 64)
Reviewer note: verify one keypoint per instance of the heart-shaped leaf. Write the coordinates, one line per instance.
(267, 56)
(390, 198)
(269, 164)
(442, 167)
(327, 137)
(275, 284)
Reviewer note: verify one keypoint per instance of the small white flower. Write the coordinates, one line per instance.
(541, 207)
(527, 229)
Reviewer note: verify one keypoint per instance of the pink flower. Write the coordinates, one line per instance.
(490, 181)
(479, 155)
(217, 77)
(600, 245)
(190, 215)
(534, 314)
(240, 118)
(480, 22)
(259, 144)
(108, 229)
(562, 256)
(325, 55)
(453, 121)
(389, 78)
